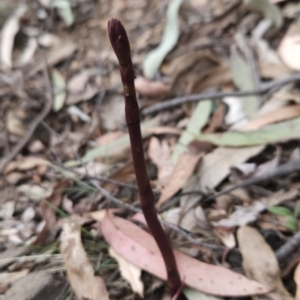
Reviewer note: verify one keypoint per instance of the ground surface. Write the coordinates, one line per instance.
(224, 170)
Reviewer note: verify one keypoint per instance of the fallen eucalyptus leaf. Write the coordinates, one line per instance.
(139, 247)
(155, 57)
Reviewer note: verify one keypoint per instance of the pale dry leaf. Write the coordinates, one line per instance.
(160, 155)
(75, 111)
(26, 163)
(297, 281)
(77, 82)
(281, 114)
(139, 247)
(152, 89)
(9, 277)
(112, 112)
(188, 221)
(242, 215)
(129, 272)
(289, 48)
(8, 33)
(47, 40)
(59, 90)
(216, 165)
(15, 177)
(199, 4)
(260, 262)
(109, 137)
(89, 92)
(60, 49)
(181, 173)
(79, 269)
(15, 122)
(226, 236)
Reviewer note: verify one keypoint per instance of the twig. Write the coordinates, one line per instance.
(264, 87)
(168, 225)
(282, 170)
(288, 248)
(120, 43)
(34, 124)
(99, 178)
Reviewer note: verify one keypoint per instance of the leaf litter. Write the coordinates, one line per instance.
(194, 151)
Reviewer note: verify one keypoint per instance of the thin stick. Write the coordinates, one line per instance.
(120, 43)
(34, 124)
(263, 88)
(282, 170)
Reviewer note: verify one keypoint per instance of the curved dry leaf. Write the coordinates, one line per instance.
(180, 175)
(129, 272)
(139, 247)
(79, 269)
(242, 215)
(77, 82)
(59, 90)
(154, 59)
(281, 114)
(260, 262)
(216, 165)
(152, 89)
(26, 163)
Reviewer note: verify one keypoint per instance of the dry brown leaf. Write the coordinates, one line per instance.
(109, 137)
(77, 82)
(273, 71)
(79, 269)
(181, 173)
(25, 163)
(152, 89)
(163, 130)
(48, 212)
(15, 177)
(139, 247)
(289, 48)
(242, 215)
(281, 114)
(297, 281)
(89, 92)
(61, 50)
(216, 164)
(160, 154)
(129, 272)
(260, 263)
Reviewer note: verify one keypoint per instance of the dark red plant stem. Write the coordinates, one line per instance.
(120, 43)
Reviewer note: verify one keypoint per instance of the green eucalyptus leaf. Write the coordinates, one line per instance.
(197, 121)
(155, 57)
(291, 223)
(282, 131)
(280, 211)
